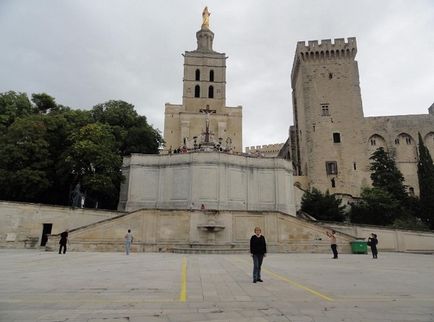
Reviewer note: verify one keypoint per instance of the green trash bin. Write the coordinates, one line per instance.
(359, 247)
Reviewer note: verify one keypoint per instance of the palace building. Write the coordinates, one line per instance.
(331, 140)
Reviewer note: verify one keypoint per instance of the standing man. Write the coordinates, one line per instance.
(258, 249)
(63, 241)
(128, 241)
(333, 244)
(372, 242)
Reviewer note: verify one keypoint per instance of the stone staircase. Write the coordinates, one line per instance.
(197, 248)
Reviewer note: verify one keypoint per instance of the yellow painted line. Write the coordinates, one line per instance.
(183, 293)
(283, 278)
(287, 280)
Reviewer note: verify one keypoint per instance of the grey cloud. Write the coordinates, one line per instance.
(87, 52)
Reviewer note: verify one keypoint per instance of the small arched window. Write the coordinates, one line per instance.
(211, 92)
(197, 74)
(197, 91)
(211, 75)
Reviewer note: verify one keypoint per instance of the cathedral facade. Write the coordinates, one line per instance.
(331, 140)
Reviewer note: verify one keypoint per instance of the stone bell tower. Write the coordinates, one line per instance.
(204, 92)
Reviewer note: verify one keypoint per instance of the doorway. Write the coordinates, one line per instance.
(46, 230)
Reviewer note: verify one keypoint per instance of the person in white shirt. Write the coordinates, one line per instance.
(128, 241)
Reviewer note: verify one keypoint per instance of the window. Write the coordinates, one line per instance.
(197, 74)
(336, 137)
(325, 110)
(373, 142)
(211, 92)
(331, 167)
(330, 75)
(408, 140)
(396, 141)
(197, 91)
(355, 166)
(211, 75)
(333, 182)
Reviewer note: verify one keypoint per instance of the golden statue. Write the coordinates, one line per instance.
(205, 18)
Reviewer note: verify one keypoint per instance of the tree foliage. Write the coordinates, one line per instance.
(385, 175)
(322, 206)
(425, 173)
(24, 159)
(13, 105)
(387, 203)
(46, 149)
(376, 207)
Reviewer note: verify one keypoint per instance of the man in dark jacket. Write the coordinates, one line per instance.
(63, 241)
(258, 249)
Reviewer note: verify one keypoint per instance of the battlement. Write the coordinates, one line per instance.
(327, 44)
(265, 150)
(326, 49)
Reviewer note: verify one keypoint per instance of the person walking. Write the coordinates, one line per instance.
(128, 241)
(333, 244)
(63, 241)
(258, 249)
(372, 242)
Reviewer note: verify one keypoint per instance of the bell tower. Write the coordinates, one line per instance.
(204, 80)
(204, 87)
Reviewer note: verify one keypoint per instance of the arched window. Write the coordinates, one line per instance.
(197, 74)
(197, 91)
(211, 92)
(211, 75)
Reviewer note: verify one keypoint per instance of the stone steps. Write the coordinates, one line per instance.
(210, 249)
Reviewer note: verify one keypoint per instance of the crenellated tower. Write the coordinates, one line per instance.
(204, 91)
(328, 116)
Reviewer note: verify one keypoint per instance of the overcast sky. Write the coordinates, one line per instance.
(87, 52)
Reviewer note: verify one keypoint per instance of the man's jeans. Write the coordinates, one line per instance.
(257, 262)
(127, 246)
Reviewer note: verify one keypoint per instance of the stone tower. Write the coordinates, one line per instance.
(329, 147)
(204, 92)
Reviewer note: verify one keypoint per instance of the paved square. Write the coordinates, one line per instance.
(45, 286)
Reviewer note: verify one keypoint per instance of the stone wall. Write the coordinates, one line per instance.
(21, 224)
(219, 181)
(399, 240)
(170, 230)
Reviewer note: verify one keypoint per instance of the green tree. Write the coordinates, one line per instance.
(47, 148)
(24, 160)
(385, 175)
(322, 206)
(376, 207)
(12, 106)
(60, 125)
(44, 103)
(94, 163)
(132, 132)
(425, 173)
